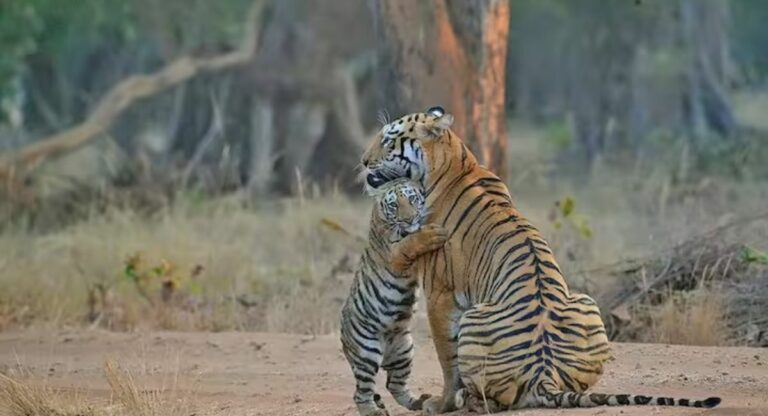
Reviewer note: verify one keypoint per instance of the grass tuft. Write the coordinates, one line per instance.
(27, 399)
(692, 318)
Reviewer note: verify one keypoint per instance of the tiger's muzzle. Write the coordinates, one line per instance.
(375, 180)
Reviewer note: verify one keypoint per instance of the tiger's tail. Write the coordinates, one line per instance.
(551, 397)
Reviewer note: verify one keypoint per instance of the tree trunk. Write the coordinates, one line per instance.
(306, 103)
(704, 33)
(450, 54)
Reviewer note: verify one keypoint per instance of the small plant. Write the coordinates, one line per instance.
(751, 255)
(172, 296)
(563, 214)
(572, 232)
(145, 279)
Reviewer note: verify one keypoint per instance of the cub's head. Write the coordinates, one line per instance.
(402, 149)
(400, 206)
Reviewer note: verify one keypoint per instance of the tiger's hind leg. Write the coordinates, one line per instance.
(398, 359)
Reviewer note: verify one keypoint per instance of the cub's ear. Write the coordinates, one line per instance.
(436, 125)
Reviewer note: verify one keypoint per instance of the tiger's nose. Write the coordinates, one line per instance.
(365, 161)
(374, 181)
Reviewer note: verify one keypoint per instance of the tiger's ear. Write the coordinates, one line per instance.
(437, 126)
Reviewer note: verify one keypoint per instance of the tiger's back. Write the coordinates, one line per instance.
(517, 325)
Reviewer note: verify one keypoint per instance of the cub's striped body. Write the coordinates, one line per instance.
(375, 320)
(504, 322)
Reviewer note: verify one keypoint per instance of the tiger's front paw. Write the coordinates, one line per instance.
(432, 405)
(435, 405)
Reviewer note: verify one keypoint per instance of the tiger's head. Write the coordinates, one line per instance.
(407, 148)
(400, 205)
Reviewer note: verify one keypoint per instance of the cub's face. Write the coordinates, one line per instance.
(401, 208)
(400, 149)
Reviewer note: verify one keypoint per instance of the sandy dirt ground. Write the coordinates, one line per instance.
(278, 374)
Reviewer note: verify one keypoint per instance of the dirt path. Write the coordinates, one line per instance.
(277, 374)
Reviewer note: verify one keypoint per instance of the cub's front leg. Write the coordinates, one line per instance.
(405, 252)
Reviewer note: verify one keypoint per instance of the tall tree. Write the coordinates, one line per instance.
(704, 36)
(619, 72)
(452, 54)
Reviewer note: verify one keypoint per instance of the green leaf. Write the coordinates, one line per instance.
(130, 273)
(195, 288)
(567, 206)
(751, 255)
(584, 229)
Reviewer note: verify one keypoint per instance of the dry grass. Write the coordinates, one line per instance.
(267, 266)
(136, 402)
(25, 399)
(692, 318)
(29, 397)
(255, 263)
(125, 392)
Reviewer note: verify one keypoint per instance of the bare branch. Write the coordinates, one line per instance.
(14, 167)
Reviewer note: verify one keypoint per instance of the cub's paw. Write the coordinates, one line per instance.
(373, 409)
(418, 404)
(431, 237)
(378, 401)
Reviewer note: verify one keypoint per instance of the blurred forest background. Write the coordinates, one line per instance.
(220, 191)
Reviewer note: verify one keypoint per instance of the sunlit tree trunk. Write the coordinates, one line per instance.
(451, 54)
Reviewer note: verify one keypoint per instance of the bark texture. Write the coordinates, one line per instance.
(451, 54)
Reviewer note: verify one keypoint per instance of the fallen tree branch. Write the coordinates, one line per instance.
(14, 167)
(627, 265)
(355, 239)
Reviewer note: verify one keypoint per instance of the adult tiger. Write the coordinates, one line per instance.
(375, 320)
(498, 269)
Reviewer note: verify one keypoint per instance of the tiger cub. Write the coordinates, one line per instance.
(375, 320)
